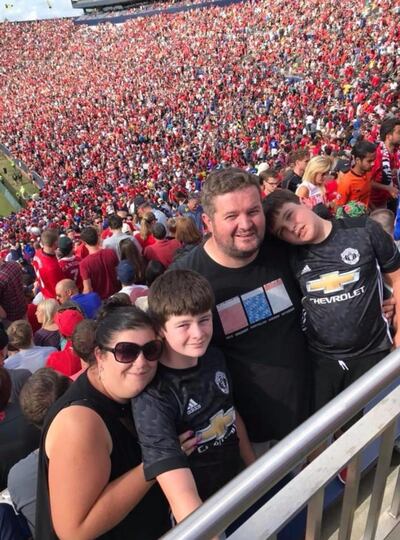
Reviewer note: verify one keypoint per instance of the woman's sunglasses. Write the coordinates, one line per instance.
(126, 352)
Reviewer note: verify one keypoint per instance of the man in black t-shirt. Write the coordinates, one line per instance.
(298, 160)
(338, 266)
(257, 315)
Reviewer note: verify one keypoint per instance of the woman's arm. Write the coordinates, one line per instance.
(84, 504)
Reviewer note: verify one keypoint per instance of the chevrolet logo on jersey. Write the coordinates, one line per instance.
(218, 428)
(333, 281)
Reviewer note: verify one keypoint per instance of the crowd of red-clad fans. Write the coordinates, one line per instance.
(124, 122)
(109, 112)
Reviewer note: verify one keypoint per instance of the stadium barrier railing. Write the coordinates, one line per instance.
(377, 428)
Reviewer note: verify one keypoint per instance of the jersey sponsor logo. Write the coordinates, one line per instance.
(218, 428)
(333, 281)
(222, 382)
(338, 297)
(305, 270)
(192, 407)
(350, 256)
(253, 308)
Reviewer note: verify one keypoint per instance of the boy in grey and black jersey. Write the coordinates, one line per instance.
(191, 391)
(338, 265)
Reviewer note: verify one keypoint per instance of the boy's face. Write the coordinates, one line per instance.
(189, 335)
(296, 224)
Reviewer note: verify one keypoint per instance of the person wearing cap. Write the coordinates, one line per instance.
(68, 261)
(23, 354)
(193, 210)
(89, 303)
(66, 361)
(126, 275)
(163, 250)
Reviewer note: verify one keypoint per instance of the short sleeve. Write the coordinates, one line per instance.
(386, 251)
(155, 424)
(343, 194)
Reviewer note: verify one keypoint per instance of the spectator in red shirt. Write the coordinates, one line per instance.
(66, 361)
(145, 237)
(163, 250)
(47, 268)
(69, 262)
(269, 181)
(98, 269)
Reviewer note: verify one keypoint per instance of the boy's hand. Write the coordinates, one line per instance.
(188, 442)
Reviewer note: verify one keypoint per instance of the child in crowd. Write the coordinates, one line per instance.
(338, 265)
(191, 391)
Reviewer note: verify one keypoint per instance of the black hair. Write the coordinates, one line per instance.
(387, 127)
(362, 148)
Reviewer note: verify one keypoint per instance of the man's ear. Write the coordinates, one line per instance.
(208, 222)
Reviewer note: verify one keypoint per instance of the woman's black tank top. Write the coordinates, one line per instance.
(150, 518)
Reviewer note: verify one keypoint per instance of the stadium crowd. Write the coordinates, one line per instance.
(205, 143)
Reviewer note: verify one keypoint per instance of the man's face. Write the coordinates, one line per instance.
(238, 223)
(367, 163)
(62, 295)
(395, 136)
(296, 224)
(270, 184)
(301, 165)
(193, 204)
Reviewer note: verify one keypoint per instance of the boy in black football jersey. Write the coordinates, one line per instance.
(338, 265)
(191, 391)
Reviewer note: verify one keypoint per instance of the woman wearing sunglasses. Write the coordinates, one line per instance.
(91, 481)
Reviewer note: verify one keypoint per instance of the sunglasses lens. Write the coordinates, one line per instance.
(126, 352)
(152, 350)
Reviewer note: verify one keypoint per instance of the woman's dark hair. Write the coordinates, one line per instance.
(5, 388)
(153, 270)
(186, 231)
(40, 391)
(113, 319)
(129, 251)
(70, 304)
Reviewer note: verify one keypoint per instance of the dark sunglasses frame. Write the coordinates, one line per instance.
(136, 350)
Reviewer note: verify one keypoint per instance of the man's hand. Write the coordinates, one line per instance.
(389, 308)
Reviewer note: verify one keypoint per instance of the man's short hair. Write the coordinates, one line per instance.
(387, 127)
(115, 222)
(273, 204)
(179, 292)
(385, 218)
(225, 181)
(159, 231)
(362, 148)
(268, 173)
(90, 236)
(19, 335)
(83, 340)
(40, 391)
(49, 237)
(298, 155)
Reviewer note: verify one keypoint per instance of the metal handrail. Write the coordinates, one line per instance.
(240, 493)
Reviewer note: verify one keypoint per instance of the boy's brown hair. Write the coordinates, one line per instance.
(179, 292)
(273, 204)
